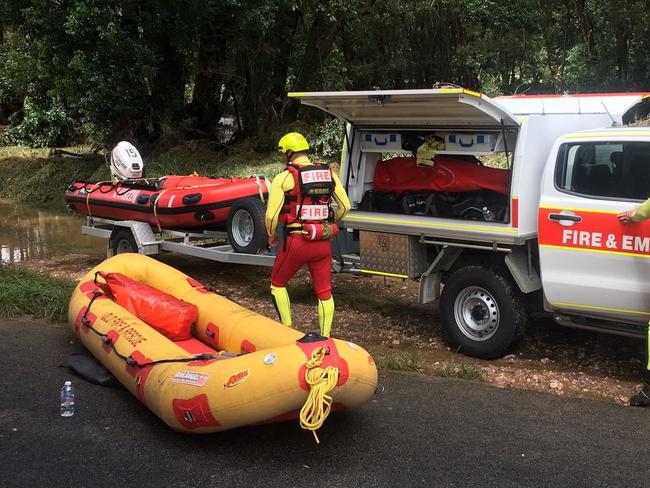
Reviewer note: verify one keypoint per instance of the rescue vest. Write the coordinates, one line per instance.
(310, 200)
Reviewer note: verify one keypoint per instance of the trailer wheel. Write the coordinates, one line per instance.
(124, 242)
(246, 231)
(482, 312)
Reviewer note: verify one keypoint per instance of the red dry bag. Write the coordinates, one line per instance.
(447, 174)
(170, 316)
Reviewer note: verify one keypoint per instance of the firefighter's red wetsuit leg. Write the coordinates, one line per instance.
(317, 255)
(320, 268)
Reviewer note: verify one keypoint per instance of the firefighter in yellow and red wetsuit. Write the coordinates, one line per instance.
(300, 201)
(639, 214)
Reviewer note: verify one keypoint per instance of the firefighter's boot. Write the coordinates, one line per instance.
(325, 316)
(282, 304)
(642, 399)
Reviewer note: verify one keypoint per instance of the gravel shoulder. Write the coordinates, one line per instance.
(383, 316)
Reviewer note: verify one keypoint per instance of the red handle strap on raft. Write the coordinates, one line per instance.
(130, 361)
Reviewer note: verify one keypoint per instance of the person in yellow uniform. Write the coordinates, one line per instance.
(639, 214)
(301, 201)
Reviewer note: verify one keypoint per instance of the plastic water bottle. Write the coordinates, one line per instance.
(67, 400)
(487, 214)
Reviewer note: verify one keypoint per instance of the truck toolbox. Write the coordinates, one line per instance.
(392, 255)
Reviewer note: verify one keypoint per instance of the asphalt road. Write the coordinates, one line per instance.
(418, 431)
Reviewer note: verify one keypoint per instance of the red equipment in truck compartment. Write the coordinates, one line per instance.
(447, 174)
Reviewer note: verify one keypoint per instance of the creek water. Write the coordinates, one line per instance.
(30, 233)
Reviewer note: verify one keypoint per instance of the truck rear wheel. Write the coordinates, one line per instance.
(246, 231)
(482, 312)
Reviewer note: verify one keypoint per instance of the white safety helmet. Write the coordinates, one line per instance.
(126, 162)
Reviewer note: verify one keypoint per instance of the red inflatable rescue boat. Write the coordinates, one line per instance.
(168, 202)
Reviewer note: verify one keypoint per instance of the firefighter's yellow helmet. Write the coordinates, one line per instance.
(294, 142)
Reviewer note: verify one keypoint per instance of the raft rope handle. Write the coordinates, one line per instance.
(97, 185)
(321, 381)
(155, 209)
(107, 341)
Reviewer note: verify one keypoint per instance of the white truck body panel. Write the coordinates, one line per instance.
(538, 133)
(595, 266)
(616, 104)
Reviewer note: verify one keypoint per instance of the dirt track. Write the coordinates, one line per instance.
(382, 315)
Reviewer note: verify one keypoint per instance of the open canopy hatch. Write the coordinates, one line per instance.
(447, 107)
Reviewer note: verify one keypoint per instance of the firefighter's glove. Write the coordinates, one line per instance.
(329, 230)
(319, 232)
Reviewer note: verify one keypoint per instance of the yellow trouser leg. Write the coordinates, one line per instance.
(282, 304)
(325, 316)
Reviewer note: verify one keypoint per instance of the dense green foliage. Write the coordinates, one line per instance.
(103, 70)
(24, 292)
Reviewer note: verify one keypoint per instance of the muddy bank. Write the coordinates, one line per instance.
(382, 315)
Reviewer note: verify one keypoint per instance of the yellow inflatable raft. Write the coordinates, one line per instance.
(238, 368)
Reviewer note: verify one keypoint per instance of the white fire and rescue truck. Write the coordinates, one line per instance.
(550, 241)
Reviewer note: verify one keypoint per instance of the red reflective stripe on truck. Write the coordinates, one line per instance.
(515, 212)
(598, 231)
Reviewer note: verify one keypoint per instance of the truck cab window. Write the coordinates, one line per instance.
(604, 170)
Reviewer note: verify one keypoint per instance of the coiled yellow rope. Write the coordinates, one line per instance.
(321, 381)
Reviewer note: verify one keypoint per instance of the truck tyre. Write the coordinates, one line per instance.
(246, 231)
(482, 312)
(124, 242)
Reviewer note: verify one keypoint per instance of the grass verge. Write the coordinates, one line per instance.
(460, 370)
(400, 361)
(24, 292)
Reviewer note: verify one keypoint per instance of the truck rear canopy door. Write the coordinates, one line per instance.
(617, 105)
(453, 107)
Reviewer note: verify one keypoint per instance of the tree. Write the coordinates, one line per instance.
(162, 71)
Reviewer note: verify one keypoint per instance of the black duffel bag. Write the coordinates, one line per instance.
(472, 205)
(419, 204)
(380, 201)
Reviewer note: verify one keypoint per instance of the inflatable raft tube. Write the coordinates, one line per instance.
(169, 202)
(239, 368)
